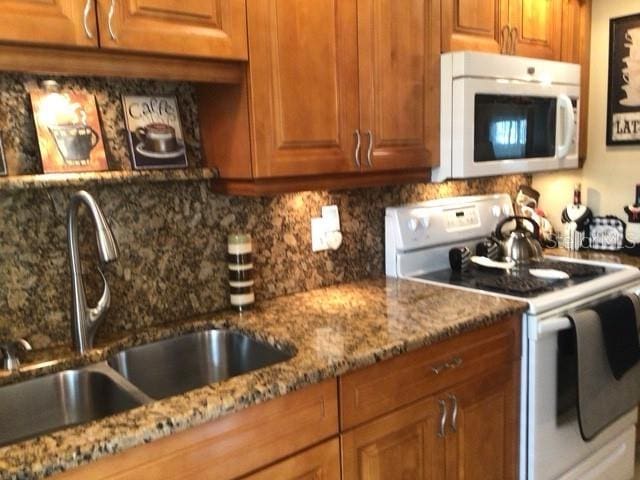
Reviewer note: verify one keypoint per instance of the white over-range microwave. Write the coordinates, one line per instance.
(502, 114)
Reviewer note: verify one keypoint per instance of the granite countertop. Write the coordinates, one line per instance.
(332, 330)
(600, 256)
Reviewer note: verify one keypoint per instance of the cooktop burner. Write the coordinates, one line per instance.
(518, 281)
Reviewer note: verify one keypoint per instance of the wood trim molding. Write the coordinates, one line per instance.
(277, 186)
(66, 61)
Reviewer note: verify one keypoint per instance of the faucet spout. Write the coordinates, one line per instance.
(85, 320)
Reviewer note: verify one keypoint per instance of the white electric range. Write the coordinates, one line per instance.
(418, 238)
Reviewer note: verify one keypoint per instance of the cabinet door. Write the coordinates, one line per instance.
(303, 86)
(539, 25)
(403, 444)
(485, 441)
(576, 31)
(52, 22)
(202, 28)
(398, 54)
(317, 463)
(473, 24)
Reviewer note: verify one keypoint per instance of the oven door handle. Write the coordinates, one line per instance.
(569, 120)
(549, 327)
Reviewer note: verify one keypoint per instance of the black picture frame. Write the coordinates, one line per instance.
(623, 100)
(3, 161)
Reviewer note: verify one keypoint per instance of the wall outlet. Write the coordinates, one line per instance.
(325, 230)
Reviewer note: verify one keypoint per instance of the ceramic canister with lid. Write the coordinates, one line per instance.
(240, 263)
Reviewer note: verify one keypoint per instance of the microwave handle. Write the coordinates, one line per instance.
(570, 126)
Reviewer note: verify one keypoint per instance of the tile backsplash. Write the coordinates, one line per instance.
(172, 236)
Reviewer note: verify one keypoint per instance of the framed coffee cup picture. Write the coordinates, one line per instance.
(68, 130)
(155, 132)
(623, 105)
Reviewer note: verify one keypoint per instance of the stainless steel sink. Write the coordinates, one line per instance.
(170, 367)
(56, 401)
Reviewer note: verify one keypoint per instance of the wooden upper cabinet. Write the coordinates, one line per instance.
(52, 22)
(473, 24)
(539, 27)
(200, 28)
(395, 48)
(303, 86)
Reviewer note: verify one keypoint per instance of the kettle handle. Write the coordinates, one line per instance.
(518, 219)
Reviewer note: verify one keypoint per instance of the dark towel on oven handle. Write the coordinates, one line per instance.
(620, 333)
(601, 398)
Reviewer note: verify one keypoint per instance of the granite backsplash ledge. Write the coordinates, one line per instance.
(172, 236)
(172, 240)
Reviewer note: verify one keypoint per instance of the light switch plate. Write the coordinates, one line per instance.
(331, 217)
(318, 234)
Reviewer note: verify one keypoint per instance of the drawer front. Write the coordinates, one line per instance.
(380, 388)
(231, 446)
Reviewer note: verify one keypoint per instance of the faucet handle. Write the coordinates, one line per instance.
(9, 350)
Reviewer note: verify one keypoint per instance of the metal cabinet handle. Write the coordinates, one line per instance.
(112, 10)
(370, 148)
(513, 37)
(455, 362)
(356, 157)
(504, 37)
(454, 412)
(443, 418)
(85, 19)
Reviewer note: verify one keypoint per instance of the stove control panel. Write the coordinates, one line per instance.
(461, 218)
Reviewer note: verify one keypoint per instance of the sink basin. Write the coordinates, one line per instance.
(56, 401)
(176, 365)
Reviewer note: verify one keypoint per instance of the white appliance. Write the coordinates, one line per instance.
(418, 239)
(502, 114)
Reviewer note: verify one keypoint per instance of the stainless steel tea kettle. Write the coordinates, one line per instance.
(520, 245)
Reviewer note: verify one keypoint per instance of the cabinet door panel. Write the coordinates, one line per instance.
(303, 86)
(473, 24)
(203, 28)
(539, 25)
(485, 442)
(403, 444)
(317, 463)
(395, 51)
(54, 22)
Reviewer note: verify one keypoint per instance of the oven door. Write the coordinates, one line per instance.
(512, 126)
(554, 447)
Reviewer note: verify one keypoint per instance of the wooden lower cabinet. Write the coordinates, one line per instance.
(467, 432)
(318, 463)
(402, 444)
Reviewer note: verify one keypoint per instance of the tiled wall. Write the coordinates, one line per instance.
(172, 236)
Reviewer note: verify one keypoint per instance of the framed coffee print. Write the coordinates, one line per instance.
(68, 130)
(623, 104)
(155, 132)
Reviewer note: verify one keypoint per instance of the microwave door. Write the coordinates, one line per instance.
(504, 127)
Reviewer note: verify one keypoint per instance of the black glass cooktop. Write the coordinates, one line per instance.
(517, 281)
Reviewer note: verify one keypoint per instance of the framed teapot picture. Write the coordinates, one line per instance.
(155, 131)
(68, 130)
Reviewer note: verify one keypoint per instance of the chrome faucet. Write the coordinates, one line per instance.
(8, 350)
(86, 320)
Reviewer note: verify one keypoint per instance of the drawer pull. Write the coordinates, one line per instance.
(455, 362)
(443, 418)
(454, 412)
